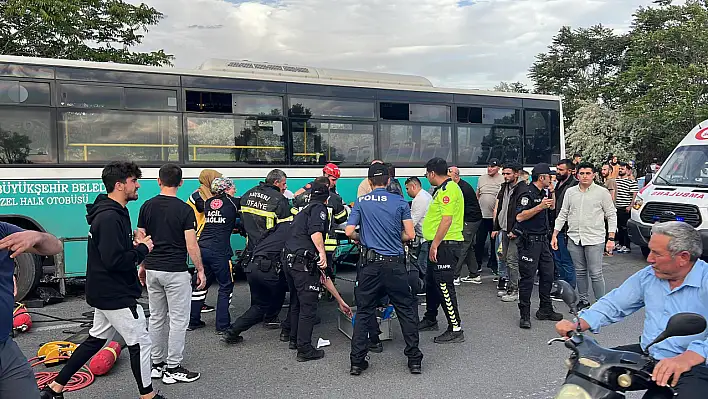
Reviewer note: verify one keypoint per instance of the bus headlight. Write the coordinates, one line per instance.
(638, 202)
(572, 391)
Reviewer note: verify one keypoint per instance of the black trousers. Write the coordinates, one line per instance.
(691, 385)
(439, 289)
(265, 287)
(622, 218)
(484, 234)
(277, 299)
(304, 298)
(375, 280)
(535, 255)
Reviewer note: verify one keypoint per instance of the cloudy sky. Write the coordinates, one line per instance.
(454, 43)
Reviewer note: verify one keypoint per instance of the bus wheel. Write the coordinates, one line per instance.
(645, 251)
(28, 269)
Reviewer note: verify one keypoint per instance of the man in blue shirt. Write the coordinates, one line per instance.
(382, 217)
(16, 375)
(675, 282)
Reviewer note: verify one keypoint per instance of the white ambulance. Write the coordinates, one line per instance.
(679, 191)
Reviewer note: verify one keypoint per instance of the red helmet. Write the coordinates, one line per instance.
(332, 170)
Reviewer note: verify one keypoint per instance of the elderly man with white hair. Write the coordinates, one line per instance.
(676, 281)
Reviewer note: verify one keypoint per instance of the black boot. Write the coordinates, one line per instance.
(525, 321)
(547, 313)
(311, 354)
(231, 337)
(427, 325)
(357, 369)
(48, 393)
(284, 336)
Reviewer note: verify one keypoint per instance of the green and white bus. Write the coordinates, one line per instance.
(61, 121)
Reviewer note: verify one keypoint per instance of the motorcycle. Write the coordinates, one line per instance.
(596, 372)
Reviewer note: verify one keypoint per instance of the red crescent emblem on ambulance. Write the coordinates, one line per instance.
(446, 200)
(216, 204)
(702, 134)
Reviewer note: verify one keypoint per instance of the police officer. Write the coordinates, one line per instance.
(220, 219)
(382, 216)
(442, 227)
(262, 207)
(262, 269)
(304, 255)
(534, 247)
(335, 210)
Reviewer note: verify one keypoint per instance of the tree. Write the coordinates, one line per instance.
(14, 147)
(511, 87)
(665, 81)
(598, 131)
(91, 30)
(580, 66)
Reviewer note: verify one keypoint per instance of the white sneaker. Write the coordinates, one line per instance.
(473, 280)
(157, 370)
(178, 374)
(511, 297)
(456, 281)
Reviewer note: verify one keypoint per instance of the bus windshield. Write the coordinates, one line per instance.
(687, 166)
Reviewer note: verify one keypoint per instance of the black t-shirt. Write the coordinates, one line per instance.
(7, 268)
(165, 219)
(312, 219)
(219, 222)
(527, 200)
(473, 212)
(273, 241)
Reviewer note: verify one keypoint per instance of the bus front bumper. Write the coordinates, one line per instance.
(639, 234)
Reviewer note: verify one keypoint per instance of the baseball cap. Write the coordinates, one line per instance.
(541, 169)
(494, 162)
(378, 169)
(319, 192)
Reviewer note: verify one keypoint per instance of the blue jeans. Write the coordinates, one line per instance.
(565, 270)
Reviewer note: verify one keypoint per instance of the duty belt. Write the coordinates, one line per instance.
(536, 237)
(372, 256)
(450, 242)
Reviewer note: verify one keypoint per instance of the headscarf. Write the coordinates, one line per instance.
(206, 177)
(221, 185)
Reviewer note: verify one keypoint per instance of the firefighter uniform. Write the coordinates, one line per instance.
(302, 272)
(380, 215)
(263, 273)
(262, 207)
(535, 252)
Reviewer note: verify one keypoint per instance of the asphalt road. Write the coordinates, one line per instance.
(497, 361)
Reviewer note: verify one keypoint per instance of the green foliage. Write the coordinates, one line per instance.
(653, 78)
(91, 30)
(511, 87)
(14, 147)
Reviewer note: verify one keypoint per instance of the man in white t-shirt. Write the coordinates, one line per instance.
(419, 207)
(488, 186)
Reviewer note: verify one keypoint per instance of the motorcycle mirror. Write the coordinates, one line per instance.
(566, 292)
(681, 325)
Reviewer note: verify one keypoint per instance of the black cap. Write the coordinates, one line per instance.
(494, 162)
(541, 169)
(378, 169)
(319, 192)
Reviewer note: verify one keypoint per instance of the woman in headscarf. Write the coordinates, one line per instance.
(197, 201)
(203, 193)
